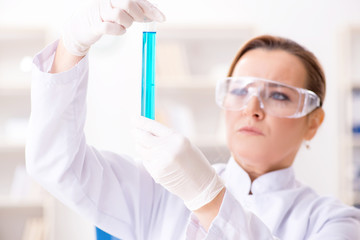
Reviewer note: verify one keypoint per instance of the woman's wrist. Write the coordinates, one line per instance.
(63, 60)
(208, 212)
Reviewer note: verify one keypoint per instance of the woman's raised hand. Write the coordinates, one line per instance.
(113, 17)
(176, 164)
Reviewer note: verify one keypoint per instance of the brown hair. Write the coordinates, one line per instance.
(315, 74)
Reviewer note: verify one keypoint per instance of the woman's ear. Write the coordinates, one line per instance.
(314, 120)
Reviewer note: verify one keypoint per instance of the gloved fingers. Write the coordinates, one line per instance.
(131, 7)
(147, 140)
(136, 12)
(110, 28)
(146, 158)
(118, 15)
(153, 127)
(150, 157)
(139, 10)
(151, 12)
(142, 138)
(155, 162)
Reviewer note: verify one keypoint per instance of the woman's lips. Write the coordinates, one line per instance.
(251, 131)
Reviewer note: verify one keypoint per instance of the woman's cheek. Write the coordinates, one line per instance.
(287, 133)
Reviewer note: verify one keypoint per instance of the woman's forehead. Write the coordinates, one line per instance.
(276, 65)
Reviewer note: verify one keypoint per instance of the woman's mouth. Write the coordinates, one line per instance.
(251, 131)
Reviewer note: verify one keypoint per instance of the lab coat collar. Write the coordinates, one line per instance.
(239, 183)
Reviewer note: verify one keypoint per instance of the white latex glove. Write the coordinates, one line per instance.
(88, 24)
(176, 164)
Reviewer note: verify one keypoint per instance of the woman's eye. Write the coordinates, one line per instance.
(279, 96)
(239, 91)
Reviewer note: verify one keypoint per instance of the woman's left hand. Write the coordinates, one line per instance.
(176, 164)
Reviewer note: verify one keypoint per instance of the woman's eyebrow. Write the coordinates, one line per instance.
(270, 84)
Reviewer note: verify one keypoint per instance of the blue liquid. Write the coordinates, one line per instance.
(148, 75)
(101, 235)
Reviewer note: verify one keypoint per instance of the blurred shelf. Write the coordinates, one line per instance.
(355, 85)
(201, 32)
(356, 140)
(208, 141)
(11, 146)
(197, 55)
(9, 202)
(15, 34)
(17, 47)
(356, 197)
(11, 206)
(187, 82)
(10, 91)
(12, 152)
(14, 102)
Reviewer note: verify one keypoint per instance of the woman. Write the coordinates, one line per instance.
(272, 100)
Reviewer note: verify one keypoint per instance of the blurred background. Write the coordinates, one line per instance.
(194, 48)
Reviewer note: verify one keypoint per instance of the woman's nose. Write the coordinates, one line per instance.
(255, 108)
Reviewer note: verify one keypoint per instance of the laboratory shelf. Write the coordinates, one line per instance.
(8, 202)
(16, 216)
(348, 116)
(14, 91)
(187, 82)
(208, 140)
(185, 87)
(17, 204)
(356, 84)
(32, 208)
(356, 140)
(12, 148)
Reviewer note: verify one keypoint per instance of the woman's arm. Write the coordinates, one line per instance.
(103, 187)
(106, 188)
(207, 213)
(64, 60)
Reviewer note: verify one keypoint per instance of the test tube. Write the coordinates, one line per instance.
(148, 71)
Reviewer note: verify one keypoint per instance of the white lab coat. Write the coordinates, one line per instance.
(119, 196)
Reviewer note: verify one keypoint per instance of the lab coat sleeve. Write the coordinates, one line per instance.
(103, 187)
(233, 222)
(333, 220)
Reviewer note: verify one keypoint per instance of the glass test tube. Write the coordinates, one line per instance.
(148, 72)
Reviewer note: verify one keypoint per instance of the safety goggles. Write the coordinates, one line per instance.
(275, 98)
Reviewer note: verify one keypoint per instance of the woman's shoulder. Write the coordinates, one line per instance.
(324, 207)
(326, 212)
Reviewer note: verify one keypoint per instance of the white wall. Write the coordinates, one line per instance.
(114, 90)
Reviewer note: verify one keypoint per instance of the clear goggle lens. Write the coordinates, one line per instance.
(276, 99)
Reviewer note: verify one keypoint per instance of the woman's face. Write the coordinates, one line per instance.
(261, 143)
